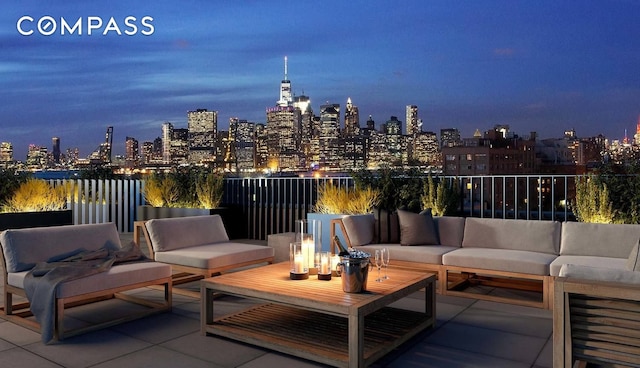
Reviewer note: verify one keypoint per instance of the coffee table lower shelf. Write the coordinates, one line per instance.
(318, 336)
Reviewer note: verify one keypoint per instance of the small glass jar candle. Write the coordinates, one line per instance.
(298, 265)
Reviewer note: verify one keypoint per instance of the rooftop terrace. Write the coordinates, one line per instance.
(468, 333)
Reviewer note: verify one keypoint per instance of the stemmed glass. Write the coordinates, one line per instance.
(385, 262)
(378, 263)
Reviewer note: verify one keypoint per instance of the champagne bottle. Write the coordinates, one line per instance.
(343, 250)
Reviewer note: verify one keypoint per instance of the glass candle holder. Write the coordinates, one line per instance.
(308, 234)
(298, 267)
(323, 264)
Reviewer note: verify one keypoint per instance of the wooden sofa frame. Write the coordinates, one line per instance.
(20, 313)
(595, 322)
(184, 274)
(453, 279)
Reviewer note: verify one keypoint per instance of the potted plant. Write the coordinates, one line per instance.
(187, 192)
(36, 203)
(336, 202)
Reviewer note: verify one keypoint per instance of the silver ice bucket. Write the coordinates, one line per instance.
(354, 272)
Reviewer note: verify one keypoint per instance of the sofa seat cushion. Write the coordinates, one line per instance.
(215, 255)
(507, 260)
(183, 232)
(533, 236)
(600, 274)
(23, 248)
(117, 276)
(601, 240)
(430, 254)
(591, 261)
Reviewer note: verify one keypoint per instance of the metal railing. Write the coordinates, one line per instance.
(271, 205)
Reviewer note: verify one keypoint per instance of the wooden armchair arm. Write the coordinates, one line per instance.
(334, 222)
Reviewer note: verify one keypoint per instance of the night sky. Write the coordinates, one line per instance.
(544, 65)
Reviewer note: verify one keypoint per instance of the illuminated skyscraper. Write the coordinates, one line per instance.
(329, 133)
(6, 153)
(203, 128)
(132, 152)
(285, 88)
(243, 133)
(450, 137)
(414, 125)
(167, 133)
(351, 120)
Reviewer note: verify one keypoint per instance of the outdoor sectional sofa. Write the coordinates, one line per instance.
(518, 254)
(73, 279)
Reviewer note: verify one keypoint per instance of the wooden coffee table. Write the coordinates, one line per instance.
(315, 319)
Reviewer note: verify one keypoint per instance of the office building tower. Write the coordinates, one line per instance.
(147, 152)
(243, 133)
(132, 153)
(203, 127)
(414, 125)
(450, 137)
(329, 134)
(262, 150)
(286, 98)
(6, 153)
(179, 147)
(351, 120)
(425, 149)
(56, 149)
(36, 157)
(167, 133)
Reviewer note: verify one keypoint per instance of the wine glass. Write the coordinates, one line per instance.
(378, 263)
(385, 262)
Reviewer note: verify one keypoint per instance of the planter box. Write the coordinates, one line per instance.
(325, 220)
(21, 220)
(233, 222)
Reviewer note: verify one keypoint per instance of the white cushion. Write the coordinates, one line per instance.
(533, 236)
(600, 274)
(23, 248)
(602, 240)
(450, 230)
(633, 262)
(215, 255)
(592, 261)
(359, 228)
(183, 232)
(429, 254)
(534, 263)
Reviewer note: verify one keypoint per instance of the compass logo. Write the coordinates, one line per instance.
(48, 25)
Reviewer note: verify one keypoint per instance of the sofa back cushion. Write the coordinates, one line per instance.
(417, 228)
(450, 230)
(359, 229)
(599, 240)
(23, 248)
(183, 232)
(387, 227)
(529, 235)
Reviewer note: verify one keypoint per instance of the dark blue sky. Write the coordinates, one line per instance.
(544, 65)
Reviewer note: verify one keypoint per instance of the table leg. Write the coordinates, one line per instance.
(206, 308)
(356, 340)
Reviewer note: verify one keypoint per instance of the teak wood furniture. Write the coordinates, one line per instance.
(315, 319)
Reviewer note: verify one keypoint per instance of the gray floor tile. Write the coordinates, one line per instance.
(159, 328)
(546, 356)
(156, 357)
(279, 360)
(5, 345)
(17, 335)
(519, 309)
(216, 350)
(490, 342)
(504, 321)
(444, 357)
(88, 349)
(19, 358)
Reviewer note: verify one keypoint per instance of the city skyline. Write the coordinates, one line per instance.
(543, 66)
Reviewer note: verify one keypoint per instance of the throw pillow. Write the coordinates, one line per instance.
(387, 227)
(633, 263)
(417, 228)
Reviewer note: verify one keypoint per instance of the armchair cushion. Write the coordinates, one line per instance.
(600, 274)
(184, 232)
(359, 229)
